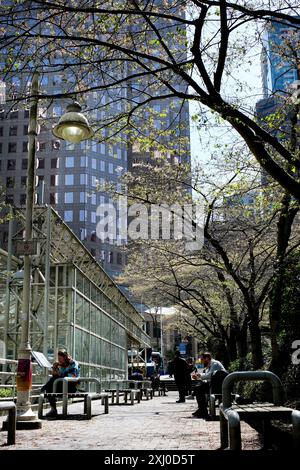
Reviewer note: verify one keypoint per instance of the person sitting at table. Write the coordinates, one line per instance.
(65, 366)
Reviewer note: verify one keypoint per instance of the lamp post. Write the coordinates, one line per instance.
(73, 127)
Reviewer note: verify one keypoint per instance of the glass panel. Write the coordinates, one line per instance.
(106, 353)
(79, 281)
(93, 319)
(106, 327)
(79, 318)
(85, 346)
(86, 314)
(78, 345)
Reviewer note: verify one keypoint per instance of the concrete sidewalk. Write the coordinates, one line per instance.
(160, 423)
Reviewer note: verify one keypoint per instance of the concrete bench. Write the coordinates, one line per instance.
(11, 420)
(232, 414)
(65, 395)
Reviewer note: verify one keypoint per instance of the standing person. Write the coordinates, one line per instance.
(191, 368)
(64, 367)
(178, 367)
(205, 378)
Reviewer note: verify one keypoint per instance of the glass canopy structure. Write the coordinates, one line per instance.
(74, 303)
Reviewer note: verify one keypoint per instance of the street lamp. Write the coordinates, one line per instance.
(73, 127)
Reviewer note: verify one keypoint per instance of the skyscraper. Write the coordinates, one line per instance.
(279, 58)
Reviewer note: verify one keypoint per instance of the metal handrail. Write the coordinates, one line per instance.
(228, 382)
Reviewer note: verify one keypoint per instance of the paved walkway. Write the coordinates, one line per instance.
(159, 423)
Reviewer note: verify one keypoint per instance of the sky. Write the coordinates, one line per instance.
(203, 142)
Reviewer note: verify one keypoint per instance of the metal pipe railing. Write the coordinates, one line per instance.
(229, 381)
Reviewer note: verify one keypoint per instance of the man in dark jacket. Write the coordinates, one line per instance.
(179, 368)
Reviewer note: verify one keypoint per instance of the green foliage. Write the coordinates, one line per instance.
(5, 392)
(243, 363)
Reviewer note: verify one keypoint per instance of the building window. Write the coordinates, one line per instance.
(13, 130)
(14, 115)
(53, 198)
(110, 168)
(25, 146)
(11, 164)
(53, 180)
(1, 131)
(93, 199)
(23, 199)
(25, 130)
(12, 147)
(83, 197)
(0, 147)
(54, 163)
(23, 181)
(93, 217)
(111, 257)
(119, 258)
(41, 162)
(10, 182)
(83, 162)
(26, 113)
(24, 163)
(83, 216)
(93, 237)
(94, 163)
(69, 198)
(68, 216)
(83, 179)
(83, 234)
(69, 180)
(42, 146)
(69, 162)
(102, 166)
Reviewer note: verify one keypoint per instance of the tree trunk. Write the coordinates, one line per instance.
(241, 340)
(255, 341)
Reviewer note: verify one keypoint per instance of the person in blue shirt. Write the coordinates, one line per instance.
(65, 366)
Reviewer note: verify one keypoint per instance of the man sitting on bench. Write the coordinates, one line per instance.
(64, 367)
(205, 379)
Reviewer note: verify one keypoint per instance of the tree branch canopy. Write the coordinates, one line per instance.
(188, 48)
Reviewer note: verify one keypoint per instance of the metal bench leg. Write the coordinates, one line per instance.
(267, 441)
(12, 422)
(85, 405)
(106, 405)
(112, 397)
(40, 408)
(117, 397)
(296, 429)
(125, 396)
(88, 407)
(212, 405)
(132, 397)
(234, 426)
(223, 430)
(147, 394)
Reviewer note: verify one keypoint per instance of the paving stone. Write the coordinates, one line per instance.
(160, 423)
